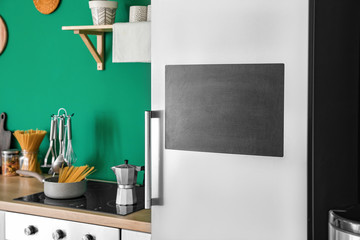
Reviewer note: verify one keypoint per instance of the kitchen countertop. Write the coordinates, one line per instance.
(14, 187)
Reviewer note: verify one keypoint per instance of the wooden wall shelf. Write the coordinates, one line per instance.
(98, 30)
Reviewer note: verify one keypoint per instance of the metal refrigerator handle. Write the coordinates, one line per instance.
(147, 159)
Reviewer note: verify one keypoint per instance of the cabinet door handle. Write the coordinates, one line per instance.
(147, 159)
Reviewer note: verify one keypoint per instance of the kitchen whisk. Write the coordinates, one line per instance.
(70, 156)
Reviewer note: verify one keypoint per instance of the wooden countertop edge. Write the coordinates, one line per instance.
(79, 216)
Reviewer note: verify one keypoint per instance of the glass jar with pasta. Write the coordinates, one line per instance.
(10, 162)
(30, 141)
(29, 161)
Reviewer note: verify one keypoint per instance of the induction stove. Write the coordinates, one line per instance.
(99, 197)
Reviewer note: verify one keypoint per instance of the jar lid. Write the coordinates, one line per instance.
(10, 151)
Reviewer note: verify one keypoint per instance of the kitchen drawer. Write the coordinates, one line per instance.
(133, 235)
(42, 228)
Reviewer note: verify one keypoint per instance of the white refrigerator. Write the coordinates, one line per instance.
(207, 195)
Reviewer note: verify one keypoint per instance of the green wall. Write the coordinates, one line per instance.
(44, 68)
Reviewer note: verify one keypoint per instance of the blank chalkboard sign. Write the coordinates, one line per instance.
(227, 108)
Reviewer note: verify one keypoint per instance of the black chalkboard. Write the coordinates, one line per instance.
(227, 108)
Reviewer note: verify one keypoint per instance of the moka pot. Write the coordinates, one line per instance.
(126, 176)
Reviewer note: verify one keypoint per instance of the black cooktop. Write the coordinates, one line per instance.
(99, 196)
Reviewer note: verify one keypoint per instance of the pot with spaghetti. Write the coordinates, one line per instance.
(71, 182)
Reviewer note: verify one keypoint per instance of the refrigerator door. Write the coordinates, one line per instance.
(208, 195)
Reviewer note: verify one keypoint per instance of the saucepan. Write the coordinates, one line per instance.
(56, 190)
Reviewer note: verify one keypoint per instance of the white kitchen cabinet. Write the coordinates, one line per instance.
(2, 225)
(17, 226)
(24, 227)
(133, 235)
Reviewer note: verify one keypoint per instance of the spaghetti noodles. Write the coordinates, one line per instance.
(30, 141)
(74, 174)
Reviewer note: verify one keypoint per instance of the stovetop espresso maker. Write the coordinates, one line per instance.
(126, 176)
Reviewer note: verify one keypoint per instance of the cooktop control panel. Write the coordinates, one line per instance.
(22, 226)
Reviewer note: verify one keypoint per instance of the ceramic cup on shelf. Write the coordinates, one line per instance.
(149, 13)
(103, 12)
(138, 14)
